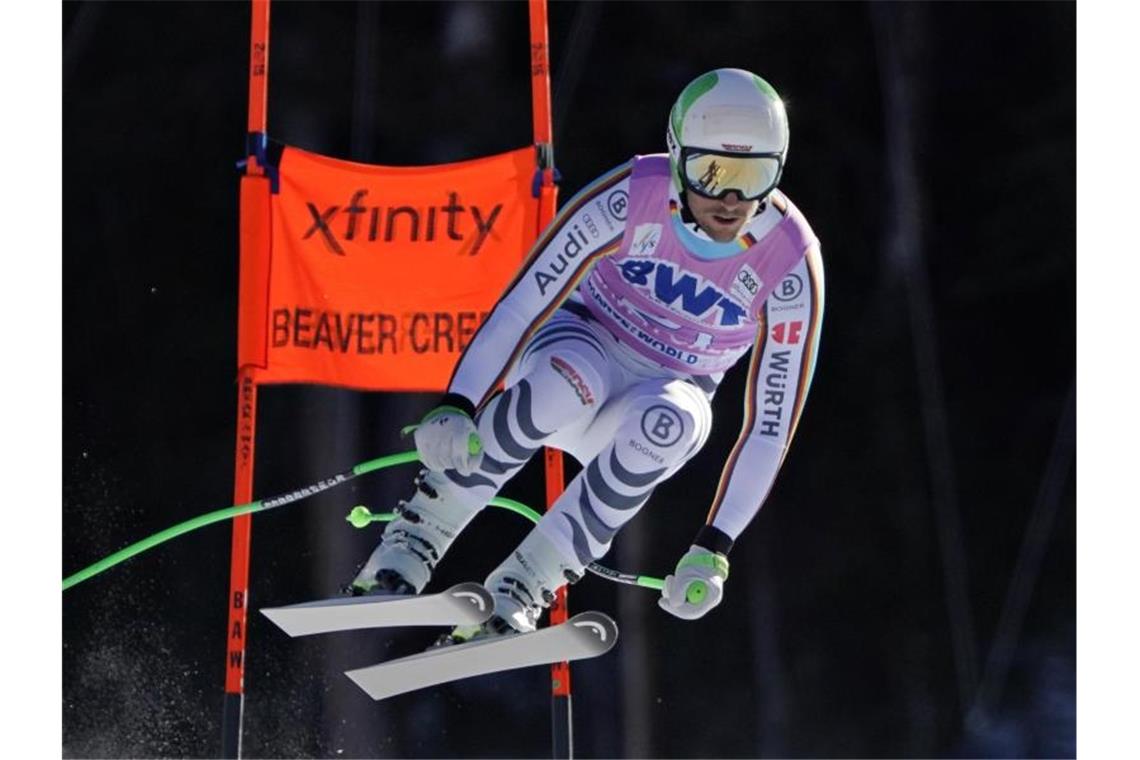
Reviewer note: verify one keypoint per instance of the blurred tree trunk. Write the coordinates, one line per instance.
(338, 444)
(365, 83)
(636, 670)
(572, 62)
(331, 443)
(768, 667)
(901, 41)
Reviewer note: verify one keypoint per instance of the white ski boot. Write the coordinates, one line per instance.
(523, 586)
(417, 539)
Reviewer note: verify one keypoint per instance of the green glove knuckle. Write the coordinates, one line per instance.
(718, 563)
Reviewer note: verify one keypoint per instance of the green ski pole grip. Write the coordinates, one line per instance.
(361, 517)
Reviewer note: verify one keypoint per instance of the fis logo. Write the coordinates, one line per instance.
(682, 292)
(371, 223)
(787, 333)
(645, 239)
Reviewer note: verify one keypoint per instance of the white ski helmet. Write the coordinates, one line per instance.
(727, 131)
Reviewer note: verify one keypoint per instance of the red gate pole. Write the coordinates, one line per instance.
(253, 247)
(562, 727)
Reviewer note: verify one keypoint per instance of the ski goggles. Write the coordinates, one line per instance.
(713, 174)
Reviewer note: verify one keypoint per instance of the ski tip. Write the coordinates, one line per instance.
(279, 618)
(473, 601)
(318, 616)
(597, 628)
(356, 677)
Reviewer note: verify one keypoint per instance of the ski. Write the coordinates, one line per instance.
(465, 604)
(587, 634)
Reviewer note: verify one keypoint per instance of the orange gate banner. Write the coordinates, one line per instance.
(378, 276)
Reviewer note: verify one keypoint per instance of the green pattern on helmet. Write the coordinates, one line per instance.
(688, 96)
(765, 88)
(684, 102)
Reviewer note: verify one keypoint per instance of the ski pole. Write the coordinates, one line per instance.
(224, 514)
(291, 497)
(361, 517)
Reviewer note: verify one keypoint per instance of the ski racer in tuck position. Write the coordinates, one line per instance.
(610, 343)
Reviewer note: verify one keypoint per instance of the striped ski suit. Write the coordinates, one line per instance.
(611, 341)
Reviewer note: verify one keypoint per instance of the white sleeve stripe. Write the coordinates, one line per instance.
(473, 377)
(779, 378)
(811, 347)
(749, 419)
(580, 199)
(541, 319)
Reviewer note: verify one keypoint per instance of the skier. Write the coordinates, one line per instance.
(610, 343)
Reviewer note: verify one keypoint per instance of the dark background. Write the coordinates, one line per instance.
(908, 588)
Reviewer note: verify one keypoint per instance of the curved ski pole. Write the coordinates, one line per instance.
(225, 514)
(361, 517)
(291, 497)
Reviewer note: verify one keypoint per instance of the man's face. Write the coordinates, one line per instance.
(721, 219)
